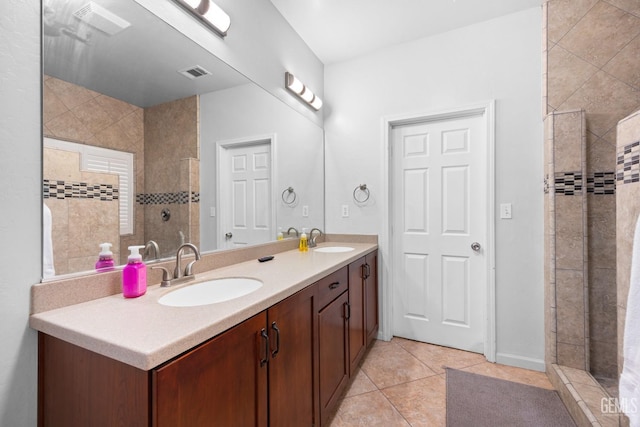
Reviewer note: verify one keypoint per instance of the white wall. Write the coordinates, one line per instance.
(498, 59)
(248, 111)
(260, 44)
(21, 195)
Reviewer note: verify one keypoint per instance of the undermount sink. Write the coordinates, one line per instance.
(334, 249)
(211, 292)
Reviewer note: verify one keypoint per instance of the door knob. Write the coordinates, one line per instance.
(228, 235)
(475, 246)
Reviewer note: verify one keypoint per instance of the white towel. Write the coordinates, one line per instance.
(47, 245)
(630, 377)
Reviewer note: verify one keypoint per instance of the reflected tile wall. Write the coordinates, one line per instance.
(84, 211)
(591, 52)
(172, 174)
(77, 114)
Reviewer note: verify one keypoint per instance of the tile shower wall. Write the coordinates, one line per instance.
(628, 209)
(172, 174)
(82, 204)
(77, 114)
(591, 51)
(568, 291)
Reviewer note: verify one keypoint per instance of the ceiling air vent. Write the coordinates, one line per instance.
(101, 19)
(194, 72)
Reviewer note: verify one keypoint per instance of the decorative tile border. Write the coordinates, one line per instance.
(568, 183)
(179, 198)
(628, 164)
(572, 183)
(600, 183)
(61, 190)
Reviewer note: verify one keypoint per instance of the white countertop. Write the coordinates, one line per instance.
(143, 333)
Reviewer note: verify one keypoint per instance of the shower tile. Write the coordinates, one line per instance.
(70, 94)
(602, 242)
(601, 33)
(67, 126)
(605, 99)
(601, 154)
(631, 6)
(93, 116)
(571, 355)
(52, 106)
(114, 137)
(564, 15)
(603, 360)
(569, 253)
(627, 131)
(133, 126)
(114, 107)
(567, 72)
(570, 310)
(567, 135)
(624, 64)
(568, 217)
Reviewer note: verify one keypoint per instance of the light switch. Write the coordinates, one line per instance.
(505, 211)
(305, 211)
(212, 212)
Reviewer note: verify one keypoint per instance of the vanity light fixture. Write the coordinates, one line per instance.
(293, 84)
(209, 13)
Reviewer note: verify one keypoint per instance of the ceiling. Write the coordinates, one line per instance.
(337, 30)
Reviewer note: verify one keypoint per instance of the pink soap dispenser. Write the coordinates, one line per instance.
(105, 258)
(134, 274)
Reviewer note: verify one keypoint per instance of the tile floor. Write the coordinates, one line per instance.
(402, 383)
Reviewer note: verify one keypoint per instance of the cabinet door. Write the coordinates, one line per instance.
(293, 375)
(334, 357)
(219, 383)
(357, 333)
(371, 296)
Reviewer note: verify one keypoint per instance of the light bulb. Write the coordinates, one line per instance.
(294, 84)
(316, 103)
(307, 95)
(218, 17)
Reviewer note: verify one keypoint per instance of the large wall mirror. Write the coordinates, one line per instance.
(151, 140)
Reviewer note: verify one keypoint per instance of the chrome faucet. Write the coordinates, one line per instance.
(151, 245)
(312, 238)
(294, 229)
(178, 275)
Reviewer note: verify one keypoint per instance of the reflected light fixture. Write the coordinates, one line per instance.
(293, 84)
(209, 13)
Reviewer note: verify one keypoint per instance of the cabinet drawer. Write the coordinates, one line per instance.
(330, 287)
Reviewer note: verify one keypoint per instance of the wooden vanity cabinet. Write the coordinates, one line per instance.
(285, 366)
(220, 382)
(267, 361)
(363, 307)
(333, 336)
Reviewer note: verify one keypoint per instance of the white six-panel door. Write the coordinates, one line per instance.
(439, 208)
(245, 199)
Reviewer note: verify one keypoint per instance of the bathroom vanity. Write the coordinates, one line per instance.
(279, 356)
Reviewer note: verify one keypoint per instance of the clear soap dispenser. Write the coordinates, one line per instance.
(304, 244)
(134, 274)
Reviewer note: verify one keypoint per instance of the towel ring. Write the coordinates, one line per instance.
(363, 189)
(288, 200)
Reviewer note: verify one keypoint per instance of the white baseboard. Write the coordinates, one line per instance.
(520, 361)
